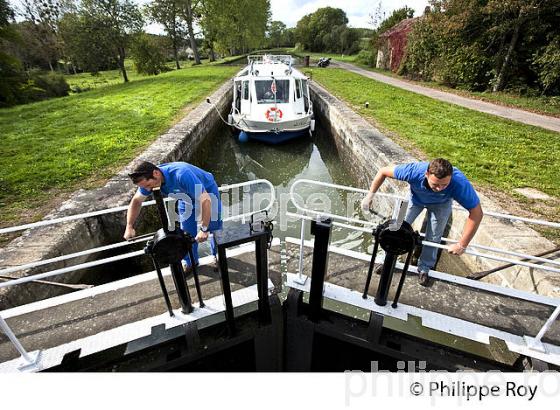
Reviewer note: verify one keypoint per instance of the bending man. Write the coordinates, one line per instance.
(197, 193)
(433, 186)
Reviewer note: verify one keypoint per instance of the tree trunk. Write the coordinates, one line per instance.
(212, 54)
(176, 53)
(189, 18)
(501, 79)
(121, 64)
(174, 42)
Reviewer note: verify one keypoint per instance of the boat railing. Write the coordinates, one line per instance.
(30, 359)
(367, 226)
(270, 59)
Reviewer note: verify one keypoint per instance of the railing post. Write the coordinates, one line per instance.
(536, 343)
(30, 360)
(300, 278)
(322, 231)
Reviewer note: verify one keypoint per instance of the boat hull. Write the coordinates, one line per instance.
(273, 137)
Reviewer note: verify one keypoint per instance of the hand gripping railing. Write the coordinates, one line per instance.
(368, 225)
(31, 359)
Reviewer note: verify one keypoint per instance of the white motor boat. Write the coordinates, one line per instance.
(271, 101)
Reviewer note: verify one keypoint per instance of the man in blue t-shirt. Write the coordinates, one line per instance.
(193, 187)
(433, 186)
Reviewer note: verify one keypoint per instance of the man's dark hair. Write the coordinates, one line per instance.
(144, 170)
(440, 168)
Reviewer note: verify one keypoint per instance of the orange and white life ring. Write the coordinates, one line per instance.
(273, 114)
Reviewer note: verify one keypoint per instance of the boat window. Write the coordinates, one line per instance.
(270, 92)
(245, 90)
(298, 88)
(305, 95)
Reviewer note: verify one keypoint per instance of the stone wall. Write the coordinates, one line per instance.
(364, 150)
(179, 142)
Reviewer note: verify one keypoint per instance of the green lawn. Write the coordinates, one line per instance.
(547, 105)
(63, 144)
(491, 151)
(87, 81)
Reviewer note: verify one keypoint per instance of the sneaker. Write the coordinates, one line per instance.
(423, 278)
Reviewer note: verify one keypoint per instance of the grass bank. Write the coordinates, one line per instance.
(87, 81)
(78, 141)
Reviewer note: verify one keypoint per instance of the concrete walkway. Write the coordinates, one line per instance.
(514, 114)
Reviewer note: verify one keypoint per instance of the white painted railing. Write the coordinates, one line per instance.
(342, 221)
(30, 358)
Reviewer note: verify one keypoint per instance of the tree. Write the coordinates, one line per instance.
(188, 11)
(148, 55)
(547, 63)
(167, 13)
(491, 44)
(314, 31)
(87, 44)
(233, 26)
(43, 17)
(120, 20)
(12, 78)
(276, 30)
(512, 19)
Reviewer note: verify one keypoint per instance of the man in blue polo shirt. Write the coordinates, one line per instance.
(433, 186)
(195, 189)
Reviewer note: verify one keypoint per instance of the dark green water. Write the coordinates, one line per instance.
(313, 158)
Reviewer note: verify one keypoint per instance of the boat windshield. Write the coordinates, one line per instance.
(267, 89)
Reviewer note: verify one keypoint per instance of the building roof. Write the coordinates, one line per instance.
(403, 25)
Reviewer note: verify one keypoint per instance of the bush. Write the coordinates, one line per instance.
(365, 57)
(423, 50)
(53, 84)
(547, 64)
(464, 67)
(148, 56)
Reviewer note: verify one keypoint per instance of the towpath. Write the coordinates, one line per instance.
(514, 114)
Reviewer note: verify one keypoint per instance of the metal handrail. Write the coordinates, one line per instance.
(85, 215)
(116, 245)
(31, 359)
(76, 254)
(468, 251)
(394, 196)
(534, 343)
(71, 268)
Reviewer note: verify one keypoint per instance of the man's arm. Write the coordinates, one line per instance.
(132, 214)
(383, 173)
(206, 210)
(470, 228)
(380, 177)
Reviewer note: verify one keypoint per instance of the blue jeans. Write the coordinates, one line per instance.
(189, 224)
(437, 217)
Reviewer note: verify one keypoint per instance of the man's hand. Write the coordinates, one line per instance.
(201, 236)
(366, 202)
(129, 233)
(457, 249)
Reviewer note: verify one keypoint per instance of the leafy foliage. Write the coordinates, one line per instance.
(547, 64)
(493, 44)
(326, 30)
(148, 55)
